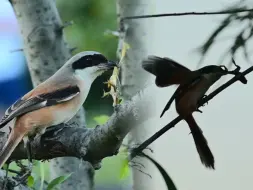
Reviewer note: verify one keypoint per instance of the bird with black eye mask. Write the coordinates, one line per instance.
(54, 101)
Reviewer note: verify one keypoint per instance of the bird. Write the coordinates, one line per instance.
(192, 88)
(54, 101)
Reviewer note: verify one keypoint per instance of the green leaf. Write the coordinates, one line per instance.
(169, 183)
(124, 171)
(30, 181)
(55, 182)
(101, 119)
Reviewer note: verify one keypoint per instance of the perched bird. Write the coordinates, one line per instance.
(54, 101)
(192, 88)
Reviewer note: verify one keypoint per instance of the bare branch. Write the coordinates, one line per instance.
(90, 145)
(238, 10)
(136, 151)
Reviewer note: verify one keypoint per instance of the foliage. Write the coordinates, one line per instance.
(57, 181)
(241, 40)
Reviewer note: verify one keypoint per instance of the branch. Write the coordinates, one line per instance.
(239, 10)
(90, 145)
(10, 183)
(136, 151)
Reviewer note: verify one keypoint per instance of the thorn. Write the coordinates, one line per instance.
(16, 50)
(111, 32)
(198, 110)
(237, 71)
(68, 23)
(143, 172)
(59, 29)
(73, 49)
(233, 61)
(138, 164)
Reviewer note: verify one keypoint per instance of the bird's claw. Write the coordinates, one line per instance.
(27, 172)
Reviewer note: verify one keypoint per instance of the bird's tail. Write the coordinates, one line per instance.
(14, 139)
(204, 151)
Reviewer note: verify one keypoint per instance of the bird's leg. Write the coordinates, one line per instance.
(29, 154)
(199, 102)
(28, 169)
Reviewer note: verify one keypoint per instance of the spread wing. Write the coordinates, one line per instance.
(25, 105)
(166, 70)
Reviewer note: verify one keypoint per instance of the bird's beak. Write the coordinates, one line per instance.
(109, 65)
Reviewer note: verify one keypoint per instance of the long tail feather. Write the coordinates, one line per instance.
(14, 139)
(204, 151)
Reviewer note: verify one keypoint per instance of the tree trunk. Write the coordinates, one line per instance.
(133, 78)
(46, 51)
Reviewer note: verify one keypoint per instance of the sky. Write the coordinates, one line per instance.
(10, 41)
(225, 121)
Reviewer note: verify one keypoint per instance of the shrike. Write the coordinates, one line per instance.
(192, 88)
(54, 101)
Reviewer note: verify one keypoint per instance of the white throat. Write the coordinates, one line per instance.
(88, 75)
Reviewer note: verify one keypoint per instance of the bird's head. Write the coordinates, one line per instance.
(90, 64)
(213, 72)
(214, 69)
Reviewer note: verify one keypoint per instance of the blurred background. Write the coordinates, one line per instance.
(226, 121)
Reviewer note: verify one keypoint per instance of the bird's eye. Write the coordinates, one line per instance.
(224, 68)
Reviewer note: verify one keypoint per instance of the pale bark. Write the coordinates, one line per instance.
(133, 77)
(46, 51)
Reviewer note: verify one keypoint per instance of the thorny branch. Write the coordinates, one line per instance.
(238, 10)
(90, 145)
(137, 151)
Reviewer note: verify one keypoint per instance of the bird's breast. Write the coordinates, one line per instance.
(188, 100)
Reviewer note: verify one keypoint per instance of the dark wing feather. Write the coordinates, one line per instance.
(181, 90)
(21, 106)
(170, 101)
(166, 70)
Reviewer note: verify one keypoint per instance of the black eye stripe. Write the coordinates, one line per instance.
(89, 61)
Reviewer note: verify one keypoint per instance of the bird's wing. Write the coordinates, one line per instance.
(166, 70)
(170, 101)
(25, 105)
(181, 90)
